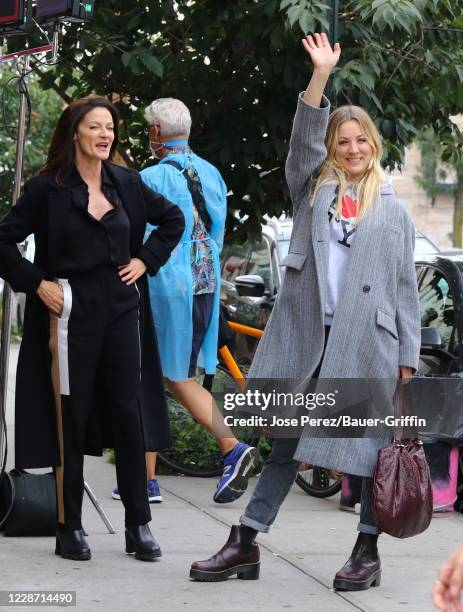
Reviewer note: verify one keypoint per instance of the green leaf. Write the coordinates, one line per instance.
(126, 59)
(376, 100)
(294, 13)
(367, 78)
(152, 63)
(429, 57)
(306, 22)
(285, 4)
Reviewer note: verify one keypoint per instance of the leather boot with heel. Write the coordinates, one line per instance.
(363, 568)
(240, 556)
(139, 540)
(71, 544)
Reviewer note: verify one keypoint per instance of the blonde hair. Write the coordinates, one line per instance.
(368, 187)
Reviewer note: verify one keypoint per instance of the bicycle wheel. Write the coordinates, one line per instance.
(194, 451)
(318, 482)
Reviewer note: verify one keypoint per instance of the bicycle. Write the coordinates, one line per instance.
(195, 452)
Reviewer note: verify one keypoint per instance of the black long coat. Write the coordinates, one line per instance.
(43, 210)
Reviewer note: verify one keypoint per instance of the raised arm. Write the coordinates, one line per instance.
(307, 148)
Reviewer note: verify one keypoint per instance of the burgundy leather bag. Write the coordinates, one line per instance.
(402, 487)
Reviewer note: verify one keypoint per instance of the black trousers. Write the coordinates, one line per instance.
(96, 353)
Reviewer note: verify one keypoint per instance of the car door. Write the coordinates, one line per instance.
(437, 310)
(253, 311)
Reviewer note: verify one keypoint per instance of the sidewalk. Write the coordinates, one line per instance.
(309, 543)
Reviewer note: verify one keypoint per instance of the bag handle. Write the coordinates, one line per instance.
(403, 406)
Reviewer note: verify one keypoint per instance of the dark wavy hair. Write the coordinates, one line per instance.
(61, 152)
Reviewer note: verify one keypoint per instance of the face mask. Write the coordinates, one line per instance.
(154, 149)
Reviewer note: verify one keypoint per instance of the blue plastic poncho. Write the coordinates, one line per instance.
(171, 289)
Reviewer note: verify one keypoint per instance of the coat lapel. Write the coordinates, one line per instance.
(320, 235)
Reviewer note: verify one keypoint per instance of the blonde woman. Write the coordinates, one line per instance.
(348, 309)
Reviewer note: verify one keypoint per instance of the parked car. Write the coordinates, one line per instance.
(424, 246)
(440, 282)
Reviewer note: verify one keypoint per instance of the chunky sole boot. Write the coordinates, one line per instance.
(344, 584)
(239, 556)
(243, 572)
(146, 549)
(363, 568)
(71, 547)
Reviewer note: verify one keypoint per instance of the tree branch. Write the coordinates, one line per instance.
(54, 86)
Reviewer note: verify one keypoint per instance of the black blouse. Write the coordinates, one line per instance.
(92, 243)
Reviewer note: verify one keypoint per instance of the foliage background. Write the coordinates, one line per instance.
(45, 110)
(239, 65)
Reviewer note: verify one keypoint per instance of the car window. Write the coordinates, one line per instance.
(283, 249)
(436, 304)
(258, 262)
(423, 246)
(234, 260)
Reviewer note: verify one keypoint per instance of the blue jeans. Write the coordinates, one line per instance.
(274, 483)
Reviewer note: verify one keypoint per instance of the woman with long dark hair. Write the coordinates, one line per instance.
(85, 380)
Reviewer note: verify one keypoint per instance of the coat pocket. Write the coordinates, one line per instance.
(385, 320)
(294, 260)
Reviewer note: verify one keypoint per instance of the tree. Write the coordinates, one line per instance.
(45, 111)
(428, 178)
(441, 171)
(239, 65)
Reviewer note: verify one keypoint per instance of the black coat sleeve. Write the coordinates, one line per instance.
(21, 221)
(171, 223)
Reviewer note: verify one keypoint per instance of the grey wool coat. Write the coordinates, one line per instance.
(376, 325)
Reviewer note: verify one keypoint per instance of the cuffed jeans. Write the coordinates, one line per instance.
(275, 481)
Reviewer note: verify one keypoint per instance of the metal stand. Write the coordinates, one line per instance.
(98, 508)
(24, 57)
(6, 318)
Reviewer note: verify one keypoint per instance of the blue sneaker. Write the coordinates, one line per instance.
(154, 493)
(239, 465)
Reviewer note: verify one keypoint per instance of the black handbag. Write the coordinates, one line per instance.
(27, 504)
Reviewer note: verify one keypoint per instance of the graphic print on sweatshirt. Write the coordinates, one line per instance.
(342, 226)
(342, 231)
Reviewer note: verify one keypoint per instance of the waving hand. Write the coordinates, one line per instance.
(324, 58)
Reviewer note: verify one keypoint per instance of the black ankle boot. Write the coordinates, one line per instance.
(363, 568)
(139, 540)
(72, 544)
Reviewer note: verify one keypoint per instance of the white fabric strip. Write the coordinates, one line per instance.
(139, 335)
(63, 322)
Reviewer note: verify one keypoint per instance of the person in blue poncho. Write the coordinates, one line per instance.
(185, 293)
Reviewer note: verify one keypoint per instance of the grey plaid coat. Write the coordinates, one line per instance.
(376, 326)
